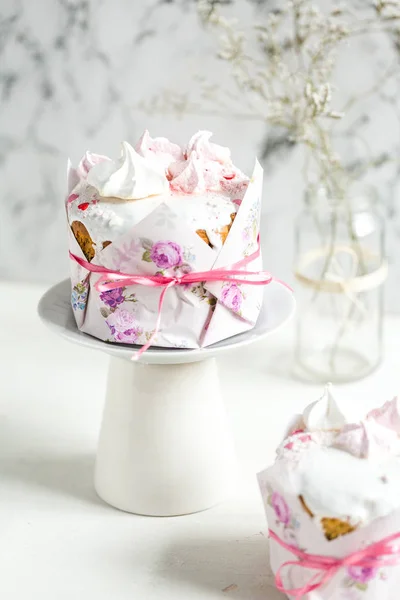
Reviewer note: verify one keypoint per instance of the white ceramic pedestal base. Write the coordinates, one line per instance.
(165, 447)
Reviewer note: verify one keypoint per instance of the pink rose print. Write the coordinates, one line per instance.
(280, 507)
(166, 254)
(130, 336)
(121, 320)
(123, 326)
(231, 296)
(362, 574)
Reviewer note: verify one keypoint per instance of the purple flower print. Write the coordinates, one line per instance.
(231, 296)
(123, 326)
(113, 297)
(362, 574)
(166, 255)
(281, 508)
(130, 336)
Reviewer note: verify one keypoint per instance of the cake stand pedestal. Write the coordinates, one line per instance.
(165, 445)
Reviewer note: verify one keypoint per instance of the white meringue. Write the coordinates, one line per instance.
(335, 484)
(131, 177)
(324, 414)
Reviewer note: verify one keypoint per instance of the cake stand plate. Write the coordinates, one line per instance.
(165, 445)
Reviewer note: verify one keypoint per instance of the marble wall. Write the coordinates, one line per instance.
(79, 74)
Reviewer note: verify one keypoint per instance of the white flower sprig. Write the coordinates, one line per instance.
(283, 68)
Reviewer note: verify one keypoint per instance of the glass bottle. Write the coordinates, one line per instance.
(340, 270)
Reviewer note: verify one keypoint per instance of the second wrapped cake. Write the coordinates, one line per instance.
(332, 500)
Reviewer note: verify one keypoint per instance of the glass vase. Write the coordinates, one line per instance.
(340, 268)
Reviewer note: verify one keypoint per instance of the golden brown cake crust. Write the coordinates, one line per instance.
(202, 233)
(305, 507)
(334, 528)
(223, 232)
(84, 240)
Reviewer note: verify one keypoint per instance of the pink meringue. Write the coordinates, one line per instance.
(236, 185)
(188, 176)
(88, 161)
(211, 176)
(204, 167)
(160, 149)
(200, 143)
(367, 439)
(387, 415)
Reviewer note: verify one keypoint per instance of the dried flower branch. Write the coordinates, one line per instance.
(286, 77)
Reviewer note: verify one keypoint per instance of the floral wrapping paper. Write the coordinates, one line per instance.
(287, 518)
(193, 316)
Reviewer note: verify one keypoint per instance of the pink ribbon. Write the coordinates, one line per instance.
(114, 279)
(380, 554)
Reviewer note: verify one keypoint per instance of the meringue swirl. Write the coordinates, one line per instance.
(88, 161)
(200, 143)
(324, 414)
(131, 177)
(387, 415)
(367, 439)
(159, 149)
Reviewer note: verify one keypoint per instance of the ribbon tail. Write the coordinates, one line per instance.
(143, 349)
(316, 582)
(286, 285)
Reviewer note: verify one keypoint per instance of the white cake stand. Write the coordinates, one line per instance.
(165, 446)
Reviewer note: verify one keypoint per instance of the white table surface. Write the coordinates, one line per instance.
(59, 541)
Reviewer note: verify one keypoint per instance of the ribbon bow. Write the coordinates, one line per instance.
(379, 554)
(110, 280)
